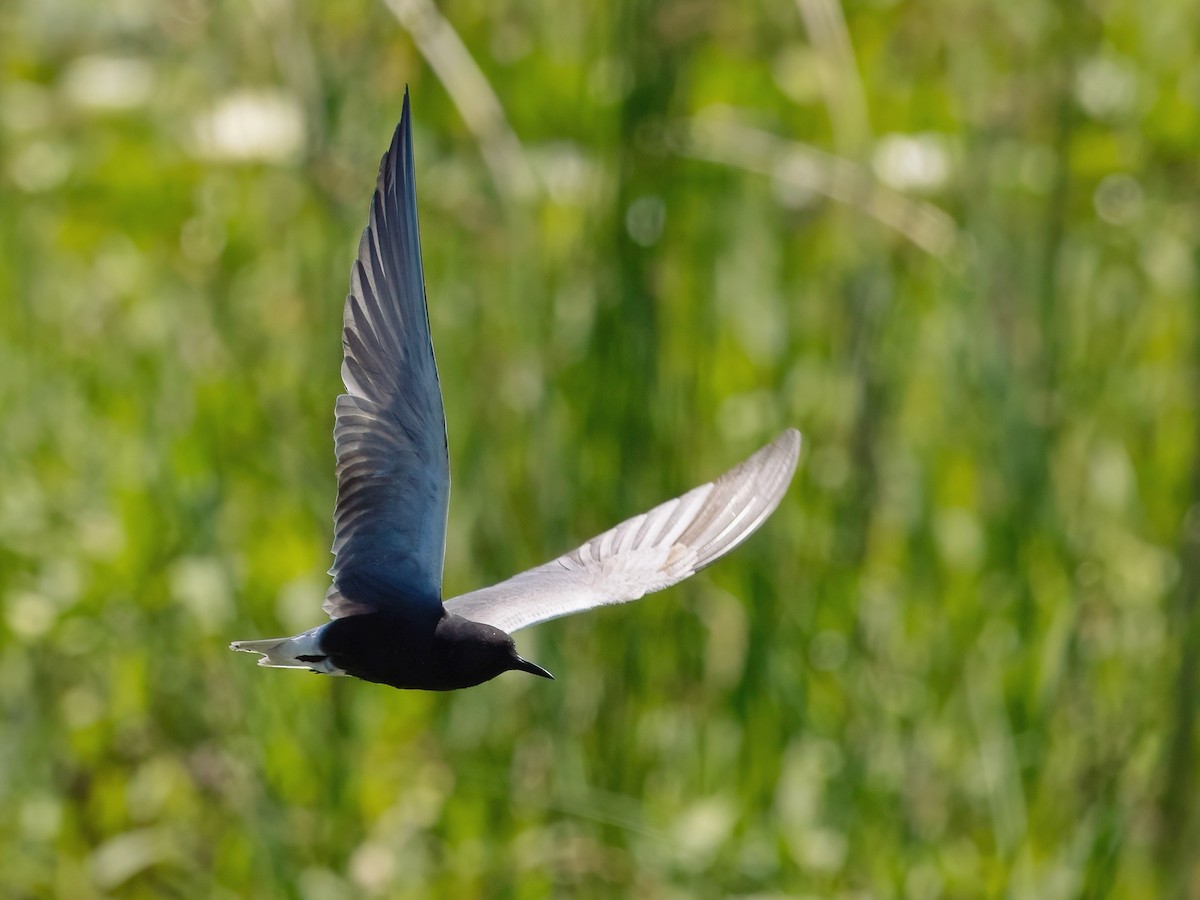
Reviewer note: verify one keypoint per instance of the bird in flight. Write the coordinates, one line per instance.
(389, 624)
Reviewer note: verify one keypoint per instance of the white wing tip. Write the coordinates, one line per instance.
(790, 440)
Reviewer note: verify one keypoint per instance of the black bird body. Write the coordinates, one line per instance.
(389, 623)
(439, 655)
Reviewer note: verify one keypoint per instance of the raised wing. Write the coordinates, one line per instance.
(646, 553)
(393, 469)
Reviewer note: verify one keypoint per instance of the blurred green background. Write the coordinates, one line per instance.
(953, 243)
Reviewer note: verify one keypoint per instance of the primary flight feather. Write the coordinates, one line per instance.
(389, 624)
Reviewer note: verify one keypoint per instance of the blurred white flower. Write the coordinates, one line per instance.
(645, 218)
(569, 176)
(1118, 199)
(1107, 86)
(108, 82)
(912, 162)
(24, 106)
(202, 586)
(40, 166)
(250, 125)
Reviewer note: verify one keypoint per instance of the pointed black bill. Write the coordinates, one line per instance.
(532, 668)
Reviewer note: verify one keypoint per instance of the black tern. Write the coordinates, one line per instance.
(389, 624)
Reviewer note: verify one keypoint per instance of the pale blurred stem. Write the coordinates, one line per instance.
(845, 181)
(1018, 375)
(841, 84)
(1177, 801)
(624, 403)
(293, 51)
(867, 305)
(851, 183)
(728, 142)
(625, 338)
(1055, 227)
(1035, 513)
(471, 93)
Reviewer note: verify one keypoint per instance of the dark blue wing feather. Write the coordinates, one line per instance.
(393, 469)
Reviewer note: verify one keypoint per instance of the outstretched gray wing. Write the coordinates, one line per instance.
(646, 553)
(393, 470)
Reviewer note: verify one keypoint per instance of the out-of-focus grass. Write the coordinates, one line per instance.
(958, 662)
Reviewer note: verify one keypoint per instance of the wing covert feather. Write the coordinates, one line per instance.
(646, 553)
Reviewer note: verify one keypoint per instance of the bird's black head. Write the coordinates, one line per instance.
(475, 653)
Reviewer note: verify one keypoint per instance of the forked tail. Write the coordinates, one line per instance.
(300, 652)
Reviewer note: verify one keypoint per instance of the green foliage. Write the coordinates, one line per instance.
(952, 243)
